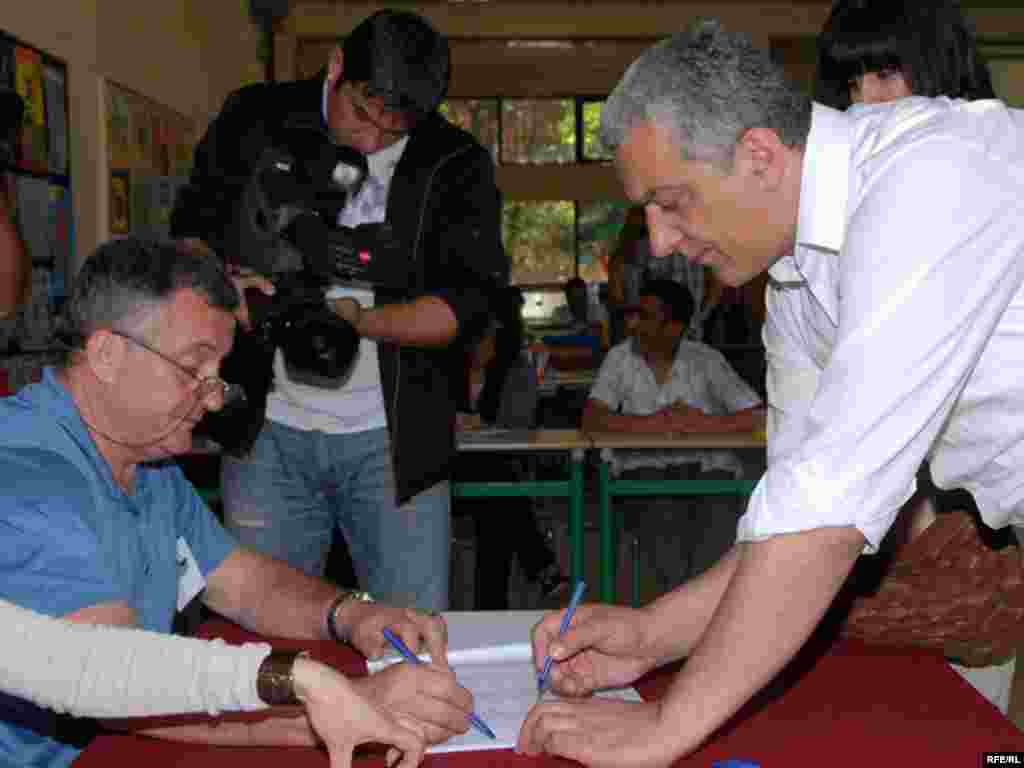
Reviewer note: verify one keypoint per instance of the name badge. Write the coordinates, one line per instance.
(190, 580)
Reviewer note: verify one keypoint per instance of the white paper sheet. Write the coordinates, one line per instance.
(491, 655)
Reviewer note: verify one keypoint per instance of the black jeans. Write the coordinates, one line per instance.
(504, 528)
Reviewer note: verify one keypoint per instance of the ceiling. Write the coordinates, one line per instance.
(1017, 4)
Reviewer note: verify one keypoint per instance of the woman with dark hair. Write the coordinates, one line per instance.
(933, 585)
(500, 390)
(878, 50)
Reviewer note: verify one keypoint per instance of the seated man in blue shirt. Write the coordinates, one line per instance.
(658, 381)
(99, 527)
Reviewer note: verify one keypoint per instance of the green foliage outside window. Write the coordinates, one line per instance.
(538, 131)
(548, 242)
(539, 238)
(593, 149)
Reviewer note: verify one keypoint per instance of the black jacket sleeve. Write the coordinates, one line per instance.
(471, 264)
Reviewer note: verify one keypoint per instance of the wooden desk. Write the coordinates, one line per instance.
(852, 707)
(571, 441)
(609, 486)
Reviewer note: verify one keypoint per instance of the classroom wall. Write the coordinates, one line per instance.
(184, 54)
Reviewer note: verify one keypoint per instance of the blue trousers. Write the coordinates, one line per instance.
(296, 486)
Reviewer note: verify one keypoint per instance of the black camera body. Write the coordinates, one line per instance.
(286, 230)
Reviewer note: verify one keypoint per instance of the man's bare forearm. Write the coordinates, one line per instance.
(747, 420)
(424, 322)
(599, 418)
(269, 597)
(679, 618)
(268, 731)
(778, 593)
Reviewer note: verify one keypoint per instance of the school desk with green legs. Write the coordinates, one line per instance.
(610, 487)
(569, 441)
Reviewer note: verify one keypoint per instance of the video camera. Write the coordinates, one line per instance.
(285, 228)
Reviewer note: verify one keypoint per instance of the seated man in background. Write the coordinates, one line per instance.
(99, 527)
(664, 383)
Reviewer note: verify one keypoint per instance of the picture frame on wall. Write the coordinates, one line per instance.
(120, 203)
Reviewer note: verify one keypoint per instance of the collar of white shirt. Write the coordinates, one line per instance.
(382, 163)
(824, 192)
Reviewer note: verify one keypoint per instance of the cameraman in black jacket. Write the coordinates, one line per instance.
(373, 457)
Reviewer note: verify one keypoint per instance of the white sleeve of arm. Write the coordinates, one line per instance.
(100, 671)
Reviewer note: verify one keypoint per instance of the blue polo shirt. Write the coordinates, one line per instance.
(70, 537)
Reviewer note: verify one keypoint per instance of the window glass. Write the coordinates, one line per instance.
(478, 116)
(538, 131)
(593, 149)
(598, 230)
(539, 240)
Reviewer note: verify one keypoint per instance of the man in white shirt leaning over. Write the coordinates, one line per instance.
(893, 236)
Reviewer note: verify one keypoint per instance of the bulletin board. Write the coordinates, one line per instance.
(149, 156)
(39, 189)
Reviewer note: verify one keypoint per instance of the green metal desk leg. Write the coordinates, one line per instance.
(607, 562)
(576, 516)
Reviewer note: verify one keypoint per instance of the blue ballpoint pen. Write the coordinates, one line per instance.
(412, 658)
(542, 681)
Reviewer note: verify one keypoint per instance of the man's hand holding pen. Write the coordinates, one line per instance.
(603, 647)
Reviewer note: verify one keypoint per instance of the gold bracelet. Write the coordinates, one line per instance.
(275, 684)
(344, 596)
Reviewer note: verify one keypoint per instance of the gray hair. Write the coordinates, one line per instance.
(125, 281)
(708, 86)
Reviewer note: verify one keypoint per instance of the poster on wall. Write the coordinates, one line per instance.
(33, 211)
(28, 74)
(55, 94)
(150, 155)
(119, 129)
(120, 203)
(145, 136)
(62, 240)
(142, 123)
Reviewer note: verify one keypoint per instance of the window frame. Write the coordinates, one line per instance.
(580, 159)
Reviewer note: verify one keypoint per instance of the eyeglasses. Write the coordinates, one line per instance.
(205, 386)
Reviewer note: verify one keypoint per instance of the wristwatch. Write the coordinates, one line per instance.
(343, 597)
(275, 683)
